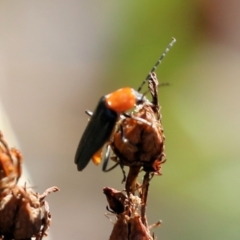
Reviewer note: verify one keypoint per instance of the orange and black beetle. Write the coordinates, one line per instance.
(105, 117)
(102, 123)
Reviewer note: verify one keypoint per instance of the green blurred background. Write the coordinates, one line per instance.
(58, 58)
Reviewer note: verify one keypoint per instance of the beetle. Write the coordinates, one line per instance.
(105, 117)
(102, 123)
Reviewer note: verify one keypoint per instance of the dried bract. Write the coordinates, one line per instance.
(138, 230)
(116, 200)
(121, 228)
(129, 225)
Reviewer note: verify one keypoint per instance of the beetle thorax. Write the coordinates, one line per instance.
(121, 100)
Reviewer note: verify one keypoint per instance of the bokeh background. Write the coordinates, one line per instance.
(58, 57)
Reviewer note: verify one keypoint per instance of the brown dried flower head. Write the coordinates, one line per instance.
(24, 214)
(139, 139)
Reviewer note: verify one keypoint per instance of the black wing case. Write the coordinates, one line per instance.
(97, 132)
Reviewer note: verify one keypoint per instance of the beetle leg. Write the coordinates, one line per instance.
(106, 159)
(124, 139)
(105, 163)
(89, 113)
(137, 119)
(127, 115)
(142, 120)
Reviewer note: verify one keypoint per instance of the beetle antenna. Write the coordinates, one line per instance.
(157, 63)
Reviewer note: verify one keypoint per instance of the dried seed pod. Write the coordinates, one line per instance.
(145, 144)
(139, 140)
(24, 214)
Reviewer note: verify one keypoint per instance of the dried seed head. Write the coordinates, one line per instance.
(139, 139)
(24, 214)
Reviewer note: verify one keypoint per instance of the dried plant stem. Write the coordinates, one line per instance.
(131, 181)
(143, 195)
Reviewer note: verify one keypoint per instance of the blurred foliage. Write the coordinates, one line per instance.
(140, 34)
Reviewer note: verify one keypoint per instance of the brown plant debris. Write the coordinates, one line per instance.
(24, 214)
